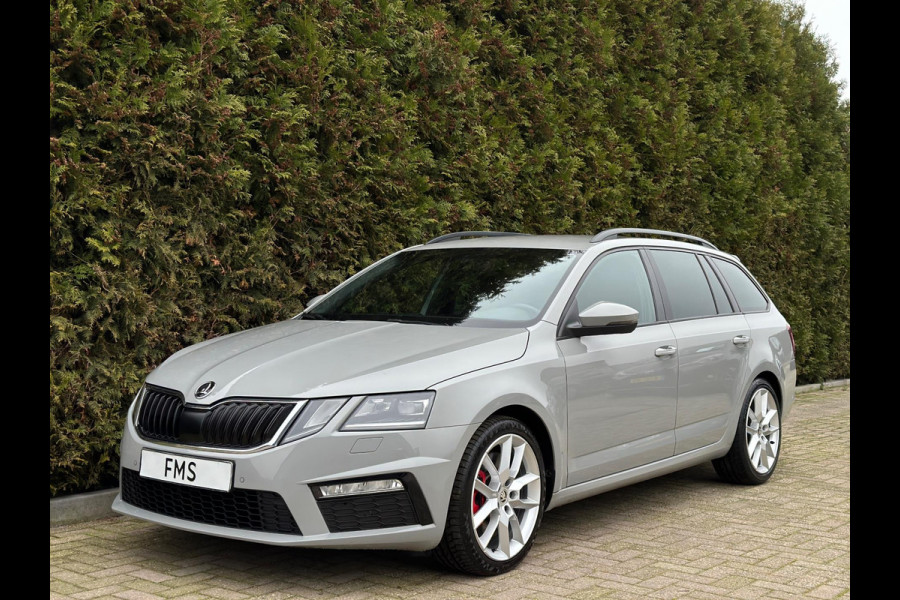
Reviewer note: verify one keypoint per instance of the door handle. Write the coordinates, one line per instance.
(666, 350)
(740, 340)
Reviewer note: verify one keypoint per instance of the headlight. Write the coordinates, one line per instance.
(391, 411)
(314, 416)
(136, 405)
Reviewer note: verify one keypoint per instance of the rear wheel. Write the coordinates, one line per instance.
(757, 442)
(497, 500)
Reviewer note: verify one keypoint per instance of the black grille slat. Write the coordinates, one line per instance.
(172, 422)
(243, 422)
(256, 510)
(159, 409)
(258, 415)
(159, 416)
(228, 421)
(239, 421)
(277, 420)
(154, 415)
(148, 411)
(210, 424)
(229, 424)
(368, 511)
(262, 427)
(259, 428)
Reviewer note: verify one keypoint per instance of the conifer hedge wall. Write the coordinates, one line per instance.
(214, 164)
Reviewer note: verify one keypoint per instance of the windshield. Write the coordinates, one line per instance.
(494, 287)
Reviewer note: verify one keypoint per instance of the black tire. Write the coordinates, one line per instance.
(738, 465)
(459, 548)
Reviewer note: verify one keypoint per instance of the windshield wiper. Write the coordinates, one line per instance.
(318, 317)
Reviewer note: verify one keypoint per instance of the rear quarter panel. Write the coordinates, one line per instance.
(772, 351)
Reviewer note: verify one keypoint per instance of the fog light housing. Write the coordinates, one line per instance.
(358, 488)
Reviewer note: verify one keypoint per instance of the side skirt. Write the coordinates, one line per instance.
(642, 473)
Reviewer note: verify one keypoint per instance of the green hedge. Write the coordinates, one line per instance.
(214, 164)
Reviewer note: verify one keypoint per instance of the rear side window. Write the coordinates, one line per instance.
(748, 296)
(719, 294)
(686, 285)
(619, 277)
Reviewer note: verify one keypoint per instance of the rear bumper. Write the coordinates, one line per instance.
(790, 388)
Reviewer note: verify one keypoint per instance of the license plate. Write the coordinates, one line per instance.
(187, 470)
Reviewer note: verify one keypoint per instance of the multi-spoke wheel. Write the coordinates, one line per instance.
(497, 500)
(763, 431)
(506, 497)
(754, 452)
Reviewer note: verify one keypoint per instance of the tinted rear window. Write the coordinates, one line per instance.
(748, 296)
(686, 285)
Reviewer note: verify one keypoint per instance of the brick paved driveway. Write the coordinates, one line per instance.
(685, 535)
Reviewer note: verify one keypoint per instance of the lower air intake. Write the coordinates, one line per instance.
(368, 511)
(254, 510)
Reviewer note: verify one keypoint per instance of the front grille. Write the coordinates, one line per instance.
(242, 509)
(240, 425)
(243, 424)
(368, 511)
(160, 415)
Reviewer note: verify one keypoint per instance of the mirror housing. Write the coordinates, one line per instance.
(604, 318)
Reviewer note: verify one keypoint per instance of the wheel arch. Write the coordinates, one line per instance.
(537, 426)
(772, 379)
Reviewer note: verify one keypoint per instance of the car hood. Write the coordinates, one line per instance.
(306, 359)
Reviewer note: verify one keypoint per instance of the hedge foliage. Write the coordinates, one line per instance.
(214, 164)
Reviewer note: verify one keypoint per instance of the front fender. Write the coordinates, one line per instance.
(536, 382)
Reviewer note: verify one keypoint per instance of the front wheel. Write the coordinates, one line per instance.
(757, 442)
(497, 500)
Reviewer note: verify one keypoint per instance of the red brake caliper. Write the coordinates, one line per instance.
(477, 498)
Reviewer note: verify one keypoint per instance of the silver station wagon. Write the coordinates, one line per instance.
(446, 396)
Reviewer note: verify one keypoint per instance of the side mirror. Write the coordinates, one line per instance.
(604, 318)
(314, 301)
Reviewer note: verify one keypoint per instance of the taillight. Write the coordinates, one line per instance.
(793, 343)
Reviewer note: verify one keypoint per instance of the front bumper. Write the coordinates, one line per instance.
(430, 456)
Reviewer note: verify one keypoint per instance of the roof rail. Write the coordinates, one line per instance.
(611, 234)
(461, 234)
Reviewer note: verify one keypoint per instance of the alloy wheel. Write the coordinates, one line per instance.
(506, 497)
(763, 431)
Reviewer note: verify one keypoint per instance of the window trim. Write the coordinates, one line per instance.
(731, 295)
(732, 302)
(659, 296)
(562, 327)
